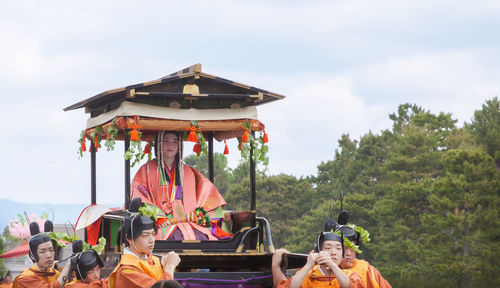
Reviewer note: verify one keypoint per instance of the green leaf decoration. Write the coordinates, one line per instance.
(151, 211)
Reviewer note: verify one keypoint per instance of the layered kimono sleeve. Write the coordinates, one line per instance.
(142, 185)
(355, 281)
(34, 282)
(129, 277)
(375, 279)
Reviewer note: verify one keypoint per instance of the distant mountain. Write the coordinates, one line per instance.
(62, 212)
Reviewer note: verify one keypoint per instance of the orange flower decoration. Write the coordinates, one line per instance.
(134, 134)
(244, 138)
(192, 137)
(265, 139)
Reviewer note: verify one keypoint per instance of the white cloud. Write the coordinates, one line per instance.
(343, 65)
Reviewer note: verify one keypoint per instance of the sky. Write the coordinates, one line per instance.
(343, 65)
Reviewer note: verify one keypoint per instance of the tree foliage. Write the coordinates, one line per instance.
(427, 190)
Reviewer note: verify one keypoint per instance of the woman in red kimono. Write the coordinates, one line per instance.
(176, 188)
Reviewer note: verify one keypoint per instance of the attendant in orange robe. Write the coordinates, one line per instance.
(176, 188)
(41, 274)
(321, 269)
(87, 267)
(137, 267)
(7, 281)
(370, 275)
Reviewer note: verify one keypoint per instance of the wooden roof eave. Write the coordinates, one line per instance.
(193, 71)
(221, 129)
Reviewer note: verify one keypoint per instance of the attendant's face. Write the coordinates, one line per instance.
(7, 279)
(349, 257)
(144, 243)
(170, 145)
(93, 274)
(45, 252)
(333, 248)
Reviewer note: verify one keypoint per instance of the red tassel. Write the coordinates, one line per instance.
(226, 150)
(265, 139)
(192, 137)
(147, 148)
(134, 134)
(197, 148)
(244, 138)
(107, 136)
(96, 143)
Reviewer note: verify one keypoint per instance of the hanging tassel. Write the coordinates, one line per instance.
(192, 137)
(226, 150)
(197, 148)
(84, 147)
(244, 138)
(265, 139)
(147, 148)
(134, 134)
(96, 143)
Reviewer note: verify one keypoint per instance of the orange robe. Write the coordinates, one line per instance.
(369, 274)
(6, 285)
(197, 191)
(34, 278)
(102, 283)
(314, 278)
(132, 272)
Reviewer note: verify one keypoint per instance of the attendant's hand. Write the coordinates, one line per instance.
(170, 262)
(311, 259)
(324, 258)
(278, 256)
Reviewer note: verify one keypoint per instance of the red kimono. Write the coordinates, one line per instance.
(34, 278)
(369, 274)
(134, 273)
(314, 278)
(197, 191)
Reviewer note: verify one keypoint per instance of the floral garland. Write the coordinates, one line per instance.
(199, 216)
(98, 248)
(247, 141)
(135, 150)
(196, 136)
(365, 237)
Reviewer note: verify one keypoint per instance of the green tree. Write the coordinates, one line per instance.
(463, 227)
(222, 172)
(485, 127)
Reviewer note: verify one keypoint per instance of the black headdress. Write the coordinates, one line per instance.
(134, 222)
(36, 239)
(332, 236)
(83, 262)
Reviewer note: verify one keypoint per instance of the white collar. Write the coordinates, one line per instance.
(129, 252)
